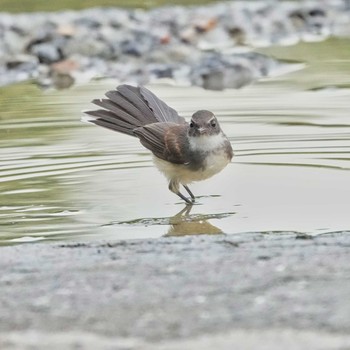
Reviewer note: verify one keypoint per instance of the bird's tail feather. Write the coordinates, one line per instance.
(129, 107)
(124, 110)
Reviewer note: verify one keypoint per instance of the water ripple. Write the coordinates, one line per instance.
(60, 178)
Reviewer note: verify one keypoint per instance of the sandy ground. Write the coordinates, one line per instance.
(249, 291)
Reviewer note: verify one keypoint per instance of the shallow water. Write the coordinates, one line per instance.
(61, 179)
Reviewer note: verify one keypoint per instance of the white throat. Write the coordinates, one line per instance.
(207, 143)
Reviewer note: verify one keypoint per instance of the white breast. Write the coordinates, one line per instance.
(206, 143)
(215, 162)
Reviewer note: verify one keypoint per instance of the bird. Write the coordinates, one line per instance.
(185, 152)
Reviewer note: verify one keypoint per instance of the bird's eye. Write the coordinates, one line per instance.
(213, 124)
(191, 125)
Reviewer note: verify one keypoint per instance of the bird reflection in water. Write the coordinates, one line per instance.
(182, 224)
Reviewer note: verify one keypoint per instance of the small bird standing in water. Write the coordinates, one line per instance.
(183, 152)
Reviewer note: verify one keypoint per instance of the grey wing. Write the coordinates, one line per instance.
(165, 140)
(161, 110)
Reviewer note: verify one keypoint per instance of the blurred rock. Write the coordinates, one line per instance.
(62, 80)
(62, 73)
(65, 67)
(187, 44)
(46, 53)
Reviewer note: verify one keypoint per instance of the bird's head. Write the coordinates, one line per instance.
(203, 123)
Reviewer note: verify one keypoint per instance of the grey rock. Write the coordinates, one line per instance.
(14, 42)
(46, 53)
(217, 72)
(22, 62)
(87, 46)
(89, 22)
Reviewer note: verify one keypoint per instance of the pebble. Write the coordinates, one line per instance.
(196, 45)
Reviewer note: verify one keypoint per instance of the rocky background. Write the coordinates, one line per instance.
(209, 46)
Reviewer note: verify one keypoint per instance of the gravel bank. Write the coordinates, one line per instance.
(209, 46)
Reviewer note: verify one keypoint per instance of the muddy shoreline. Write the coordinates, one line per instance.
(157, 293)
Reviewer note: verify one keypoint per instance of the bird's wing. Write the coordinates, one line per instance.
(167, 141)
(161, 110)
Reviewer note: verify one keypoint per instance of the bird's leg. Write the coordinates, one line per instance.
(189, 192)
(174, 187)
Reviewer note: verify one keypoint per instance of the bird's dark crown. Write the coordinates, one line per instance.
(203, 122)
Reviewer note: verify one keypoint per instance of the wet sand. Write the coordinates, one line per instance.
(248, 290)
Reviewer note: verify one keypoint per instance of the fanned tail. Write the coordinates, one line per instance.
(129, 107)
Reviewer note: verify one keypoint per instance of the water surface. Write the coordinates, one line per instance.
(61, 179)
